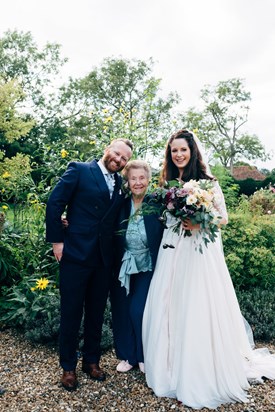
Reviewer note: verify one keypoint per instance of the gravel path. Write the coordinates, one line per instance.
(29, 378)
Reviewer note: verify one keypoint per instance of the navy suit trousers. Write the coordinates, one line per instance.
(127, 314)
(82, 287)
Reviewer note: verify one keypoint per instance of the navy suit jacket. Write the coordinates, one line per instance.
(153, 227)
(90, 212)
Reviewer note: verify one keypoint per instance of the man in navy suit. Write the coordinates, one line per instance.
(90, 192)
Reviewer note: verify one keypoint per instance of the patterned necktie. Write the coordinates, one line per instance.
(110, 180)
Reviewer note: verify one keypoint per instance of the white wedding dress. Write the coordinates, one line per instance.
(196, 348)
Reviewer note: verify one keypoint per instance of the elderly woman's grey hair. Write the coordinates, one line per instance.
(137, 164)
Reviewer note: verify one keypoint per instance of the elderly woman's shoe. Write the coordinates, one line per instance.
(124, 366)
(141, 367)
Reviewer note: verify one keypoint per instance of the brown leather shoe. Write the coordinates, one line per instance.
(94, 371)
(69, 380)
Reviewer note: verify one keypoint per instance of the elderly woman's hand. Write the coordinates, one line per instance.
(64, 222)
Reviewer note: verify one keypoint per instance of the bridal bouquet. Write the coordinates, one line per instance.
(192, 200)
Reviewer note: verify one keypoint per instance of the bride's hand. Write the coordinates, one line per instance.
(188, 225)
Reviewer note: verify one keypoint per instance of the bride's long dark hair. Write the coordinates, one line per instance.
(195, 169)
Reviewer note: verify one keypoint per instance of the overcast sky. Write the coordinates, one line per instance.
(193, 43)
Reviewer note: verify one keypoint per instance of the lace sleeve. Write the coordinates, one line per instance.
(220, 204)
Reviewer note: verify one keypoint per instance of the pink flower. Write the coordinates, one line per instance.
(170, 206)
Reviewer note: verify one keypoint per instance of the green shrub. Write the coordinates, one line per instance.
(107, 333)
(33, 307)
(249, 246)
(44, 327)
(269, 180)
(27, 301)
(229, 187)
(258, 307)
(11, 263)
(248, 186)
(263, 200)
(23, 250)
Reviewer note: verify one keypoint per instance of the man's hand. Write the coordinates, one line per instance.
(58, 250)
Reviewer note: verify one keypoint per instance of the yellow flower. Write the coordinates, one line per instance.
(105, 110)
(195, 131)
(92, 142)
(33, 289)
(108, 119)
(4, 207)
(6, 175)
(64, 153)
(42, 283)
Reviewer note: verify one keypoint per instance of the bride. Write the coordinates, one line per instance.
(195, 344)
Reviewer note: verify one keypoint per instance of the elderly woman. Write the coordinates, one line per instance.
(138, 238)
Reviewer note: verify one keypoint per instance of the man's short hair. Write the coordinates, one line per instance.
(126, 141)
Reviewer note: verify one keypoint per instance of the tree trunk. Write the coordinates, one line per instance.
(231, 166)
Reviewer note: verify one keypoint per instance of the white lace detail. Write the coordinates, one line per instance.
(220, 205)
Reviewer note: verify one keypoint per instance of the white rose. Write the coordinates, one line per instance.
(191, 200)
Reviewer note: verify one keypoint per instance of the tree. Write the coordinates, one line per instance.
(30, 71)
(221, 121)
(34, 71)
(12, 124)
(32, 68)
(119, 99)
(15, 178)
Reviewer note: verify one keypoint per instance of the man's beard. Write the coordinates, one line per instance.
(107, 160)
